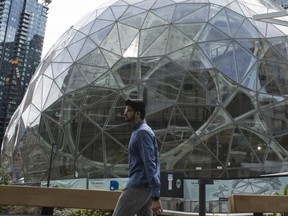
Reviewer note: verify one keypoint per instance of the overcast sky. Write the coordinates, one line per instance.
(64, 13)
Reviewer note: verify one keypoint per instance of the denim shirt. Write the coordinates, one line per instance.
(144, 168)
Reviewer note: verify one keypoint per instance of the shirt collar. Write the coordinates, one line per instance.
(138, 124)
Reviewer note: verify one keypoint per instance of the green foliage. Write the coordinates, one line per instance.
(285, 192)
(90, 212)
(4, 177)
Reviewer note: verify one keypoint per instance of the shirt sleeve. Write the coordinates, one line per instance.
(149, 153)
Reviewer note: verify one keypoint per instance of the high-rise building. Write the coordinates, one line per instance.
(22, 29)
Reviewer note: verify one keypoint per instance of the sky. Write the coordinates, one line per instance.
(64, 13)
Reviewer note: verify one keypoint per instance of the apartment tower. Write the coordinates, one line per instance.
(22, 30)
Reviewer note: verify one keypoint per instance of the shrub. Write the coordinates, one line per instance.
(4, 177)
(90, 212)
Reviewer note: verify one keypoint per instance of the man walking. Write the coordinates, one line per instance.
(141, 195)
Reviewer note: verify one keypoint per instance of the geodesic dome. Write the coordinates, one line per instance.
(214, 80)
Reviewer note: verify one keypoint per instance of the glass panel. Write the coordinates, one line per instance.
(55, 112)
(273, 78)
(47, 83)
(201, 15)
(243, 61)
(168, 87)
(112, 41)
(280, 44)
(148, 36)
(110, 58)
(36, 161)
(93, 150)
(283, 141)
(107, 80)
(64, 56)
(163, 114)
(177, 40)
(126, 71)
(107, 15)
(87, 47)
(276, 118)
(235, 21)
(152, 21)
(99, 36)
(87, 18)
(115, 153)
(64, 167)
(251, 80)
(180, 122)
(30, 115)
(98, 113)
(77, 98)
(158, 47)
(191, 30)
(247, 30)
(192, 92)
(94, 58)
(227, 64)
(254, 123)
(235, 7)
(64, 40)
(212, 34)
(118, 10)
(147, 4)
(73, 80)
(116, 116)
(132, 50)
(59, 68)
(239, 105)
(54, 94)
(126, 39)
(165, 13)
(182, 57)
(88, 133)
(86, 29)
(44, 133)
(64, 143)
(162, 3)
(74, 50)
(70, 128)
(132, 11)
(241, 152)
(199, 60)
(214, 10)
(220, 21)
(135, 21)
(96, 95)
(77, 37)
(155, 103)
(100, 25)
(37, 96)
(185, 10)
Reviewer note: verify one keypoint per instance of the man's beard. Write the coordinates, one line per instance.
(131, 119)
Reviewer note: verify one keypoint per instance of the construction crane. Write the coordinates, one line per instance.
(15, 70)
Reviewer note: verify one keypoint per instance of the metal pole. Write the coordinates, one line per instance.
(202, 195)
(50, 165)
(87, 180)
(49, 210)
